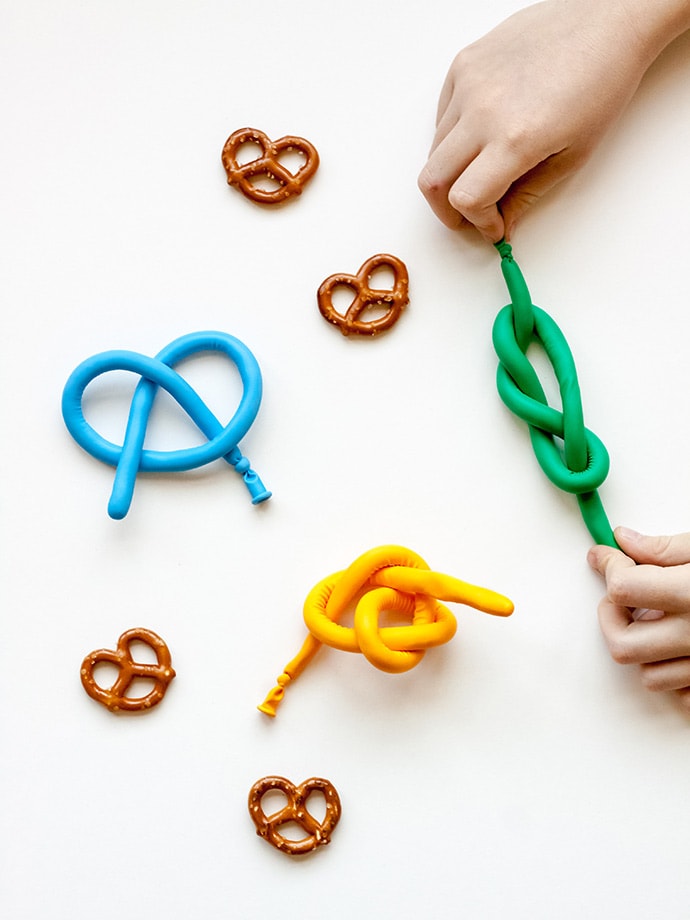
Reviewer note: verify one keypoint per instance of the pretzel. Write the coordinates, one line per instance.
(388, 578)
(318, 833)
(393, 301)
(268, 165)
(116, 699)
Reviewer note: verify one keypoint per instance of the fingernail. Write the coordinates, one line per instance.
(645, 613)
(632, 536)
(593, 559)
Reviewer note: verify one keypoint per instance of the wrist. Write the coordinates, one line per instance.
(650, 25)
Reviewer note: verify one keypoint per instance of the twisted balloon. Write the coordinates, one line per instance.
(572, 456)
(158, 373)
(387, 578)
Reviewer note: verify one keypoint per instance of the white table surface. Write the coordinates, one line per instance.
(517, 772)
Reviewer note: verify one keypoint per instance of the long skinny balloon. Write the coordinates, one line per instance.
(572, 456)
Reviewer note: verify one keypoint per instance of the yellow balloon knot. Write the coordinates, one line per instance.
(275, 696)
(387, 579)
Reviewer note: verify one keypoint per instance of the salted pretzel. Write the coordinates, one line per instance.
(115, 698)
(392, 301)
(317, 833)
(267, 165)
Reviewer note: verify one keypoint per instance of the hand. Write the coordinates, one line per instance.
(526, 105)
(645, 616)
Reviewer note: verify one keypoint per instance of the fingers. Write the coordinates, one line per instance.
(663, 676)
(448, 159)
(464, 184)
(527, 190)
(642, 641)
(491, 186)
(660, 550)
(650, 586)
(653, 574)
(660, 649)
(478, 189)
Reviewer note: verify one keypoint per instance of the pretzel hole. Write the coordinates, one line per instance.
(264, 182)
(316, 805)
(142, 652)
(382, 278)
(292, 831)
(292, 159)
(105, 674)
(273, 801)
(139, 688)
(373, 312)
(342, 297)
(247, 153)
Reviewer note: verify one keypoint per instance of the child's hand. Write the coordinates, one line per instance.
(656, 591)
(525, 106)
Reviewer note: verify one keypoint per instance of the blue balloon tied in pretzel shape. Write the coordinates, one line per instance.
(131, 457)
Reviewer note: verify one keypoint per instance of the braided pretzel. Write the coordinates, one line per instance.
(116, 699)
(268, 165)
(389, 578)
(584, 463)
(393, 301)
(318, 833)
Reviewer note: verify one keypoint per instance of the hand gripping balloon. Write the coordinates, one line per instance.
(157, 372)
(389, 578)
(583, 464)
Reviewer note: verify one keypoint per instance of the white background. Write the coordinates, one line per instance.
(517, 772)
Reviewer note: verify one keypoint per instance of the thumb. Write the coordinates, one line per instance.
(535, 183)
(656, 550)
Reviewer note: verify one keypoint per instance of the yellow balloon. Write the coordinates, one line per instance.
(383, 580)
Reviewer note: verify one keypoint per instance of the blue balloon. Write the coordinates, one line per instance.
(131, 457)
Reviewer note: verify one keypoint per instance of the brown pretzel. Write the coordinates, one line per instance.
(116, 699)
(393, 301)
(295, 810)
(268, 165)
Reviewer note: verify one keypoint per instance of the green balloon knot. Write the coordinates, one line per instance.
(570, 455)
(505, 249)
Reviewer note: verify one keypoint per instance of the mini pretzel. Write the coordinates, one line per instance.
(295, 810)
(393, 301)
(268, 165)
(116, 699)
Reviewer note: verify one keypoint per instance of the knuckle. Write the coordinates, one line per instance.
(428, 183)
(660, 546)
(650, 678)
(519, 135)
(617, 589)
(621, 651)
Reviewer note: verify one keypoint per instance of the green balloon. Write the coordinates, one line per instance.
(572, 456)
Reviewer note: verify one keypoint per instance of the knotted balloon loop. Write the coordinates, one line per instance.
(389, 579)
(131, 457)
(570, 455)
